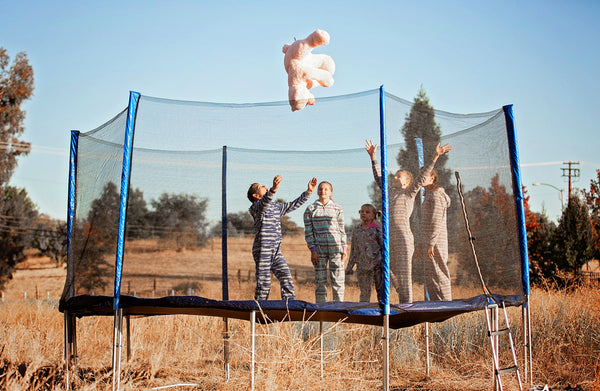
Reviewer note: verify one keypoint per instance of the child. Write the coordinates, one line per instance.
(365, 252)
(434, 239)
(326, 238)
(266, 248)
(401, 202)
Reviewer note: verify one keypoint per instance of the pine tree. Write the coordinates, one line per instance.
(420, 123)
(574, 239)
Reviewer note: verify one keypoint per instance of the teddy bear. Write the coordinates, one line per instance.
(307, 70)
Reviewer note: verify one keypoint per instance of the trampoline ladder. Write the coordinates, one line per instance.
(494, 333)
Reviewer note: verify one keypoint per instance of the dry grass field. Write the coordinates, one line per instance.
(185, 352)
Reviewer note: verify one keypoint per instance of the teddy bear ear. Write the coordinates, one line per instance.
(285, 48)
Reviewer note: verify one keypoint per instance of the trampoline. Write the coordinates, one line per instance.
(159, 153)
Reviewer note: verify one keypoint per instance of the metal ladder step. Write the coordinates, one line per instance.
(503, 371)
(493, 334)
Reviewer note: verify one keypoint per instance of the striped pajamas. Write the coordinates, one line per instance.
(266, 248)
(325, 233)
(402, 244)
(434, 233)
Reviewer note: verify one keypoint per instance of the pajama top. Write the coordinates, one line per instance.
(324, 229)
(365, 251)
(267, 219)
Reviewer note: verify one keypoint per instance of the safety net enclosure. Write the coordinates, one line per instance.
(149, 190)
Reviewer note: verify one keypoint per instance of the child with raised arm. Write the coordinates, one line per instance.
(266, 248)
(325, 236)
(365, 253)
(433, 241)
(402, 195)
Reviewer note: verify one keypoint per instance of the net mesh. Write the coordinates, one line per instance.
(173, 231)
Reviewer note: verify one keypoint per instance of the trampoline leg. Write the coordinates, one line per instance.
(117, 339)
(525, 358)
(226, 347)
(427, 362)
(68, 340)
(386, 352)
(527, 339)
(128, 334)
(253, 331)
(321, 344)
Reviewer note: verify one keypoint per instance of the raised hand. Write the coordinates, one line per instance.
(276, 181)
(439, 151)
(371, 149)
(312, 185)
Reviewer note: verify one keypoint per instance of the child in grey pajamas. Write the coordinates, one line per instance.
(401, 202)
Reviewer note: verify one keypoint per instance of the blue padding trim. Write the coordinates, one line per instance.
(71, 204)
(402, 315)
(518, 191)
(125, 177)
(385, 289)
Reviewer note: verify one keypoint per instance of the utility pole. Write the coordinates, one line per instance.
(570, 172)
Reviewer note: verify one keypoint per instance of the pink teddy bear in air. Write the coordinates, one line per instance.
(306, 70)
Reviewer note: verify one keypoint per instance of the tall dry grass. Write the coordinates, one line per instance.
(178, 349)
(182, 349)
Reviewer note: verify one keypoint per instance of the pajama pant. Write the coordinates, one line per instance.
(437, 276)
(366, 280)
(401, 252)
(270, 259)
(337, 275)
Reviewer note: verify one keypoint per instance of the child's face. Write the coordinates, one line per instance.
(401, 180)
(429, 179)
(366, 215)
(324, 192)
(262, 190)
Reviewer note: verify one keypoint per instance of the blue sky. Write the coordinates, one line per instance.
(470, 56)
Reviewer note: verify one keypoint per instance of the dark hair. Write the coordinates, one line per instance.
(253, 190)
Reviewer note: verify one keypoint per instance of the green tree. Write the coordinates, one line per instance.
(138, 223)
(50, 238)
(16, 209)
(16, 86)
(574, 238)
(238, 224)
(93, 239)
(180, 218)
(540, 234)
(420, 123)
(17, 215)
(592, 199)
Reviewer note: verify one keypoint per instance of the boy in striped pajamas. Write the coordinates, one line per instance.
(326, 238)
(266, 248)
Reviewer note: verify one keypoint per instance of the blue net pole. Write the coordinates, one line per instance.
(71, 205)
(224, 225)
(385, 289)
(518, 192)
(125, 178)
